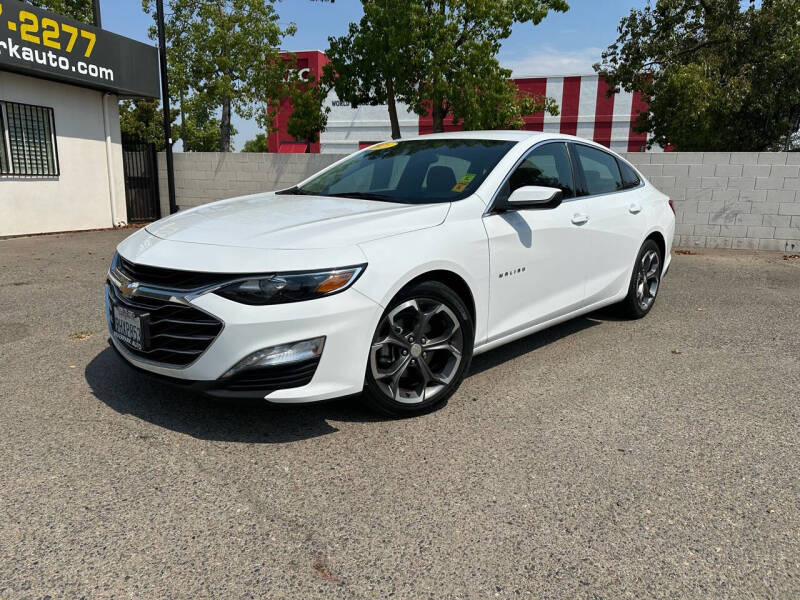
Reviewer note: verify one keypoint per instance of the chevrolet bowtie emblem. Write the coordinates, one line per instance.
(129, 288)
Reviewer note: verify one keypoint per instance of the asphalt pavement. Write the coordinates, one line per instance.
(600, 459)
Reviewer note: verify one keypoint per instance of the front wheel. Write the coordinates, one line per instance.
(420, 352)
(645, 281)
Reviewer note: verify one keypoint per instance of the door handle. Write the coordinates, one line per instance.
(580, 219)
(635, 208)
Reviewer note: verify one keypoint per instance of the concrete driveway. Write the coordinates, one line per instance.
(600, 459)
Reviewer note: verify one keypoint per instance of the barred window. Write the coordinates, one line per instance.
(28, 147)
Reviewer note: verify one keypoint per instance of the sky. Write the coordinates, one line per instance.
(563, 44)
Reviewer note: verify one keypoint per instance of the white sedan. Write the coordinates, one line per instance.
(386, 272)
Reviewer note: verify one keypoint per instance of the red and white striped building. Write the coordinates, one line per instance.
(585, 111)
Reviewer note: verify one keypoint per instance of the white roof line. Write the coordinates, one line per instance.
(549, 76)
(296, 51)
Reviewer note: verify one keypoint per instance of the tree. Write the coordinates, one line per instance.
(716, 76)
(200, 128)
(437, 55)
(142, 121)
(257, 144)
(460, 73)
(309, 117)
(80, 10)
(366, 63)
(499, 104)
(224, 54)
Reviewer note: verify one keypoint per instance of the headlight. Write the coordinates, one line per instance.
(291, 287)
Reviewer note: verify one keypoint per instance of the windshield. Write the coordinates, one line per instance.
(412, 172)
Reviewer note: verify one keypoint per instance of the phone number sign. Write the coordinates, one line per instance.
(44, 44)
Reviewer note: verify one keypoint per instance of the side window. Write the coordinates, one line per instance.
(547, 166)
(599, 169)
(629, 177)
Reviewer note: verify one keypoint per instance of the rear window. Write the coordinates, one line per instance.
(629, 177)
(600, 170)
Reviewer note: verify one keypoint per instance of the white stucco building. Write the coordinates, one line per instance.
(80, 182)
(61, 163)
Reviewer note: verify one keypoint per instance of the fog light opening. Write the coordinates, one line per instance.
(279, 355)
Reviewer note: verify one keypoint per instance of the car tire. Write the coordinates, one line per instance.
(420, 352)
(645, 281)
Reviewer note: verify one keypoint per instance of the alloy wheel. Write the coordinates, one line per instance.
(648, 278)
(416, 351)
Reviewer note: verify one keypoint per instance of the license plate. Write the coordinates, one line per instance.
(128, 327)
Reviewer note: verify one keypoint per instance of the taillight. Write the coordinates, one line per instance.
(671, 205)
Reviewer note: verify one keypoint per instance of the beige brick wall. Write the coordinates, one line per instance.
(202, 177)
(730, 199)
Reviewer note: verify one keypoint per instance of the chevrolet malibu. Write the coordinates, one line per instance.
(385, 273)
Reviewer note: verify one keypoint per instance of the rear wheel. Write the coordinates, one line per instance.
(420, 352)
(645, 281)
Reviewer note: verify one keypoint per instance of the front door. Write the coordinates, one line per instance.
(537, 255)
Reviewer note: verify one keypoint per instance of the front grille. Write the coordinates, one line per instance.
(178, 334)
(267, 379)
(172, 279)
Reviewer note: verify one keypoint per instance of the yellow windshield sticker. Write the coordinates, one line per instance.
(383, 146)
(463, 183)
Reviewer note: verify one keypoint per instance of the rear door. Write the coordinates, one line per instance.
(537, 256)
(617, 220)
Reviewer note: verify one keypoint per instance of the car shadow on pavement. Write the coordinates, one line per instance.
(129, 392)
(531, 343)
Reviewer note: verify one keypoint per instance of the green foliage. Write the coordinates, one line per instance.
(142, 120)
(503, 106)
(439, 54)
(223, 54)
(375, 56)
(496, 104)
(202, 136)
(77, 9)
(717, 77)
(459, 72)
(309, 117)
(257, 144)
(200, 130)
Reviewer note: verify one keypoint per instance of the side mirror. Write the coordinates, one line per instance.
(532, 196)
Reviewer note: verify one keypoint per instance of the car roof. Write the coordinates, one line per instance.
(512, 135)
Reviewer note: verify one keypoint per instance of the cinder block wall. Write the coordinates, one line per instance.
(723, 199)
(730, 199)
(202, 177)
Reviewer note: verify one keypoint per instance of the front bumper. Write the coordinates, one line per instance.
(347, 320)
(259, 385)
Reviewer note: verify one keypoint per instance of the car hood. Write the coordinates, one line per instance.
(270, 221)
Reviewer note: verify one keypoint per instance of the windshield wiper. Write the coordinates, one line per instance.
(294, 191)
(363, 196)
